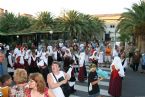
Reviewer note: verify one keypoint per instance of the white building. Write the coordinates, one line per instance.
(111, 22)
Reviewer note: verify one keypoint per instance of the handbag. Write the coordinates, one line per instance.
(90, 87)
(65, 87)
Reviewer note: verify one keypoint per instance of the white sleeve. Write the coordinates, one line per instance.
(10, 60)
(81, 60)
(113, 53)
(29, 60)
(69, 71)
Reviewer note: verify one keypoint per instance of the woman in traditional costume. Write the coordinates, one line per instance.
(19, 61)
(82, 73)
(50, 54)
(67, 57)
(33, 60)
(10, 62)
(117, 72)
(94, 58)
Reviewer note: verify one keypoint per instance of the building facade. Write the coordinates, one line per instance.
(111, 21)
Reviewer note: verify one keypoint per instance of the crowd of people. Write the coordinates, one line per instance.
(43, 70)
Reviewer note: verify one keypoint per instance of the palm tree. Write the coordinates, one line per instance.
(79, 25)
(92, 27)
(133, 21)
(44, 21)
(71, 23)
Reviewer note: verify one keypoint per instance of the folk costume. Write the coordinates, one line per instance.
(33, 60)
(82, 70)
(26, 58)
(50, 54)
(43, 66)
(70, 72)
(94, 58)
(67, 57)
(117, 72)
(10, 62)
(19, 63)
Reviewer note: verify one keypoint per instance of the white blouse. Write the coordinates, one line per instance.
(58, 91)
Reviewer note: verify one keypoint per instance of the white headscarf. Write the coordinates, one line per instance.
(82, 59)
(27, 54)
(118, 65)
(68, 53)
(94, 55)
(50, 50)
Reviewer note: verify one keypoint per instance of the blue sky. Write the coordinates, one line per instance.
(56, 7)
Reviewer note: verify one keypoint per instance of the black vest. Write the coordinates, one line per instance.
(8, 65)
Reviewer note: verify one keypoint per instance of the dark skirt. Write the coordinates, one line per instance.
(81, 74)
(66, 64)
(18, 65)
(33, 69)
(50, 60)
(72, 79)
(44, 71)
(26, 65)
(115, 85)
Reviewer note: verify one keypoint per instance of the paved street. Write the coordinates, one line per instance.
(82, 89)
(133, 85)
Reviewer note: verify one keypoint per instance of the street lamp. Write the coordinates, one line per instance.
(17, 38)
(51, 32)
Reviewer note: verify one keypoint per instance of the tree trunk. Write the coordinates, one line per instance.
(140, 43)
(137, 42)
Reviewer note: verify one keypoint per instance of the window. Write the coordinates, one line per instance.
(112, 26)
